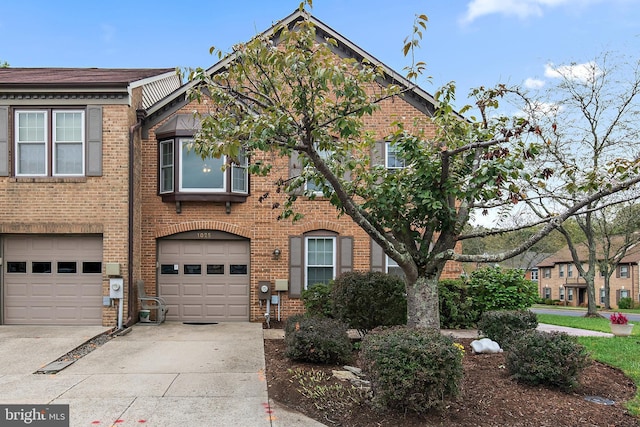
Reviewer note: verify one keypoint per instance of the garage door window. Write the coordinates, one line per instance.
(215, 268)
(238, 269)
(67, 267)
(168, 269)
(192, 269)
(17, 267)
(92, 267)
(40, 267)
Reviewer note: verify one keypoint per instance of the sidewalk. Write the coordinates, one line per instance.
(273, 334)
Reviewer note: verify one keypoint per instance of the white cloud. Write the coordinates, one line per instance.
(533, 83)
(519, 8)
(584, 72)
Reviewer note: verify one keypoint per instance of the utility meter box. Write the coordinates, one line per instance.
(264, 290)
(282, 285)
(116, 288)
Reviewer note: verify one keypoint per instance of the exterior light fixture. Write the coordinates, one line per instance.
(276, 253)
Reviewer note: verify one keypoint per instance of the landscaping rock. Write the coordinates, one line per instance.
(485, 345)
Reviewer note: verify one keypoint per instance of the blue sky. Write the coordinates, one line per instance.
(473, 42)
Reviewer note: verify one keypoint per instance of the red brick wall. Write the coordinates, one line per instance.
(254, 220)
(91, 205)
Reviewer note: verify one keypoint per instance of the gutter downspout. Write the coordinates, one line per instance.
(130, 288)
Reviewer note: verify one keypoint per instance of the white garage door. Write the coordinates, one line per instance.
(204, 280)
(52, 280)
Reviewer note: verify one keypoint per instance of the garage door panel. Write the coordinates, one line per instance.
(206, 296)
(50, 286)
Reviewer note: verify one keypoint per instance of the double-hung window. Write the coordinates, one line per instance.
(392, 267)
(393, 159)
(624, 271)
(49, 142)
(320, 260)
(561, 270)
(240, 175)
(314, 185)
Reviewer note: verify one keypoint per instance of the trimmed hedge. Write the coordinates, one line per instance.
(366, 300)
(317, 300)
(411, 369)
(542, 358)
(317, 340)
(501, 325)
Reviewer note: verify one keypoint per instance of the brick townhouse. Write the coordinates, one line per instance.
(198, 236)
(559, 280)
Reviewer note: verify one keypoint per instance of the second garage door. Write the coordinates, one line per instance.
(52, 280)
(205, 280)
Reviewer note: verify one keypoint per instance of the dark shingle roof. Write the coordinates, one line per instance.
(71, 77)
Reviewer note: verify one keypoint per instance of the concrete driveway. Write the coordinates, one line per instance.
(167, 375)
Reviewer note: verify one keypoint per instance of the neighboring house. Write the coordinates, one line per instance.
(65, 140)
(559, 279)
(528, 262)
(198, 236)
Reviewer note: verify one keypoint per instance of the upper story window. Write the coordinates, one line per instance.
(546, 273)
(313, 186)
(561, 270)
(184, 175)
(624, 270)
(49, 142)
(183, 171)
(393, 160)
(534, 274)
(569, 270)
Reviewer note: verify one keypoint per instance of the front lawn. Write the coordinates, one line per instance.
(620, 352)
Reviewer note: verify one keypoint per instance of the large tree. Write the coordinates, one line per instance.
(286, 92)
(591, 117)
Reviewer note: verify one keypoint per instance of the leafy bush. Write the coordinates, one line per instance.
(457, 310)
(502, 324)
(366, 300)
(317, 300)
(626, 303)
(551, 359)
(317, 340)
(498, 289)
(411, 369)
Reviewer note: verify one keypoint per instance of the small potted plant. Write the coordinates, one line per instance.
(620, 325)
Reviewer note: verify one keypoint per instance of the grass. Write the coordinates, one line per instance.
(619, 352)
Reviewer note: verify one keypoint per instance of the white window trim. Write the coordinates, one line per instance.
(162, 166)
(17, 143)
(306, 258)
(561, 270)
(569, 270)
(387, 150)
(245, 171)
(535, 274)
(182, 189)
(54, 143)
(562, 293)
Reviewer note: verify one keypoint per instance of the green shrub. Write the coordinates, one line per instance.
(498, 289)
(502, 324)
(366, 300)
(317, 340)
(626, 303)
(411, 369)
(317, 300)
(551, 359)
(456, 305)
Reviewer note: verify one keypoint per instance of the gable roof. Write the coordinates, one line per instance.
(418, 97)
(563, 256)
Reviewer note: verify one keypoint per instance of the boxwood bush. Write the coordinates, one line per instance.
(317, 340)
(411, 369)
(541, 358)
(501, 325)
(366, 300)
(502, 289)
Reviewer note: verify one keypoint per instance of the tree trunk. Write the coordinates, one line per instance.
(423, 306)
(592, 310)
